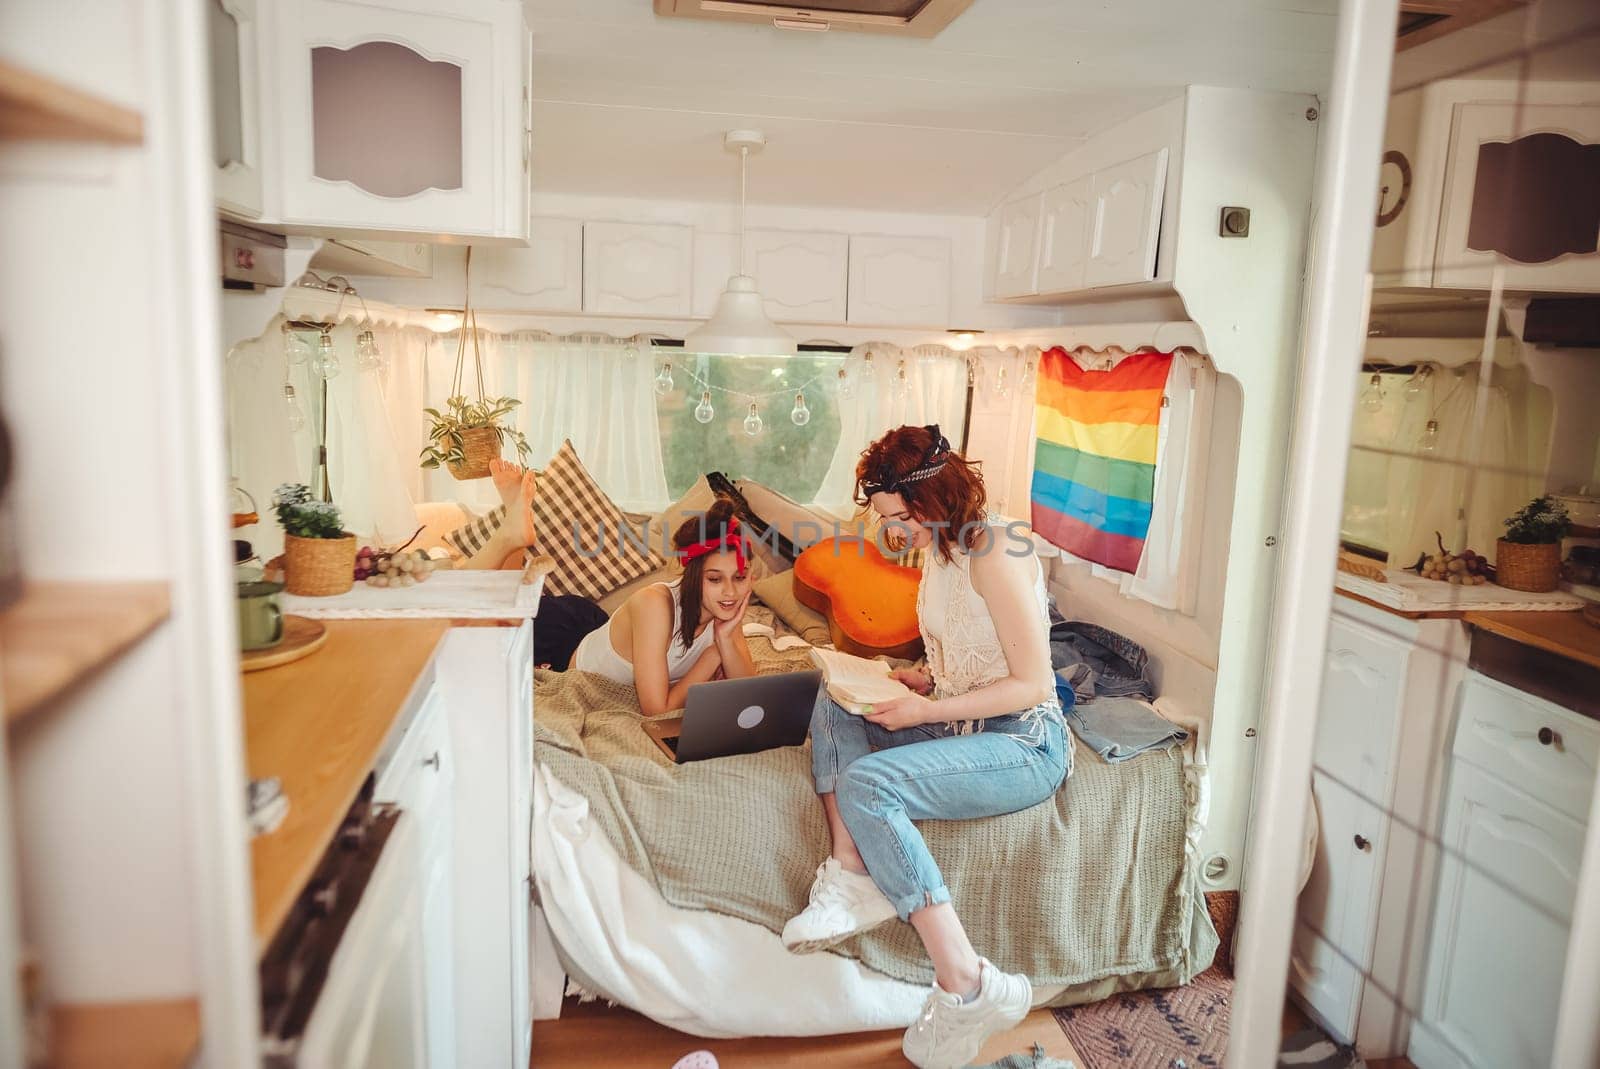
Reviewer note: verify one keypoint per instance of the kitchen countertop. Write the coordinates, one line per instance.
(1564, 633)
(318, 724)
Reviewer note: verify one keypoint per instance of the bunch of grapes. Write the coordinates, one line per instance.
(1467, 568)
(397, 568)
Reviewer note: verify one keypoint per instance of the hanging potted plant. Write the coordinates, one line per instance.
(469, 434)
(319, 555)
(1529, 556)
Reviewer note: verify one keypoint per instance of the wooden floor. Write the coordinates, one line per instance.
(594, 1035)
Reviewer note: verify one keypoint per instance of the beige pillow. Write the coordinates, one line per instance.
(695, 500)
(777, 593)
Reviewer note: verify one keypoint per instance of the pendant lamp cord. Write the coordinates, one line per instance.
(744, 156)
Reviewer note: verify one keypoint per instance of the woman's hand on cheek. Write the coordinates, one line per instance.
(726, 629)
(905, 712)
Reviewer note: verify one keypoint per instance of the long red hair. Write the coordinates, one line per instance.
(953, 496)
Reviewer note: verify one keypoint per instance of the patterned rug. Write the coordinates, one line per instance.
(1174, 1028)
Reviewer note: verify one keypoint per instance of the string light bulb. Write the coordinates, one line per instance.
(1372, 396)
(847, 386)
(801, 414)
(1002, 388)
(1027, 375)
(327, 361)
(368, 356)
(664, 379)
(1429, 442)
(972, 372)
(752, 422)
(291, 407)
(703, 412)
(900, 386)
(1417, 381)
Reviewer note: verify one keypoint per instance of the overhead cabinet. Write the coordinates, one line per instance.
(234, 37)
(1095, 230)
(899, 282)
(547, 276)
(1481, 178)
(637, 269)
(403, 117)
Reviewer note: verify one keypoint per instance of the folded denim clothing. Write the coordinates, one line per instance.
(1121, 728)
(1097, 661)
(1034, 1059)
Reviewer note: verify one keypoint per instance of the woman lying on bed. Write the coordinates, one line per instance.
(982, 735)
(670, 636)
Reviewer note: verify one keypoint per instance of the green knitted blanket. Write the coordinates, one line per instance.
(1094, 891)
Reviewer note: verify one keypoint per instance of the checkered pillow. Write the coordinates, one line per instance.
(577, 524)
(472, 536)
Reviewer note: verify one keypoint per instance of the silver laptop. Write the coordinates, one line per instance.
(739, 716)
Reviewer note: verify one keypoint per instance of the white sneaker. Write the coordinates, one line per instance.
(950, 1033)
(842, 904)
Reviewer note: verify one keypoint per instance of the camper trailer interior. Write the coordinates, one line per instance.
(1167, 429)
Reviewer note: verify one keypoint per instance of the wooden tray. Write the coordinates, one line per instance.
(301, 638)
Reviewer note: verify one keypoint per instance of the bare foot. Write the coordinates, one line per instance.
(519, 510)
(507, 479)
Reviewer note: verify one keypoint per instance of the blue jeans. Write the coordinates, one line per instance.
(883, 780)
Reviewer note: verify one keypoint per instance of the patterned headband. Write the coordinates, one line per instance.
(886, 481)
(730, 538)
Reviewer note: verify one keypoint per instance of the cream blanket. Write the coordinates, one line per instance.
(1094, 891)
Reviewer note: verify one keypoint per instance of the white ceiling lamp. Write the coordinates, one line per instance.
(739, 323)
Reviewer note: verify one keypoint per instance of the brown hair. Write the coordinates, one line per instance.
(713, 523)
(952, 496)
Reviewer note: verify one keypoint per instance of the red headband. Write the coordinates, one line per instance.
(730, 537)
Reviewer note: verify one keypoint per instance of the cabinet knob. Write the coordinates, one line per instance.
(431, 761)
(1547, 737)
(1363, 843)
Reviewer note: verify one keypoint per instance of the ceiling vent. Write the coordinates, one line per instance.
(901, 18)
(1427, 20)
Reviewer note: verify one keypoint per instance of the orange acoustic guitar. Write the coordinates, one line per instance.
(870, 603)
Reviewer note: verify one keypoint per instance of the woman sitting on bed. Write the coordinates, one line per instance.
(670, 636)
(982, 735)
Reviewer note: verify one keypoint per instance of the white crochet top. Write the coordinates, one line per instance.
(958, 633)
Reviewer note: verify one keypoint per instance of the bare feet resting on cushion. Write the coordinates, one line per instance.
(516, 530)
(507, 480)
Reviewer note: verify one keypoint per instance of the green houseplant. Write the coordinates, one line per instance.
(1528, 557)
(319, 555)
(467, 435)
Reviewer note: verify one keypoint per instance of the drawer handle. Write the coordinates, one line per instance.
(1363, 843)
(1547, 737)
(431, 762)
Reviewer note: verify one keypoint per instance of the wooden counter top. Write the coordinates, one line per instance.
(1563, 633)
(317, 724)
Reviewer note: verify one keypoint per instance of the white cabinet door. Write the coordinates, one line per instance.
(234, 33)
(801, 274)
(1126, 225)
(1064, 236)
(639, 269)
(547, 276)
(899, 282)
(1363, 676)
(1016, 247)
(1330, 985)
(1499, 941)
(716, 259)
(1519, 188)
(402, 116)
(1340, 900)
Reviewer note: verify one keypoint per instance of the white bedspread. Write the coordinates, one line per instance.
(698, 972)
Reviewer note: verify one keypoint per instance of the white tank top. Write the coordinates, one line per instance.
(958, 634)
(596, 654)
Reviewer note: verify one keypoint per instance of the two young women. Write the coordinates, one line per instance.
(981, 735)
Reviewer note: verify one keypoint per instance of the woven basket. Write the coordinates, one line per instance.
(319, 567)
(479, 445)
(1534, 568)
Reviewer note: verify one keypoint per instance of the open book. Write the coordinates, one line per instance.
(855, 682)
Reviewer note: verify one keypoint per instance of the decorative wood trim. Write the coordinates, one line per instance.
(34, 107)
(1562, 633)
(61, 633)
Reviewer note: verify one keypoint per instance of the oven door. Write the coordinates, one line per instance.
(372, 1008)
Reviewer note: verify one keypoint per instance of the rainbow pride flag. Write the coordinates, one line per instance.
(1094, 464)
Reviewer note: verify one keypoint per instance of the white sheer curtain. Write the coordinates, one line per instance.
(365, 459)
(594, 389)
(935, 392)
